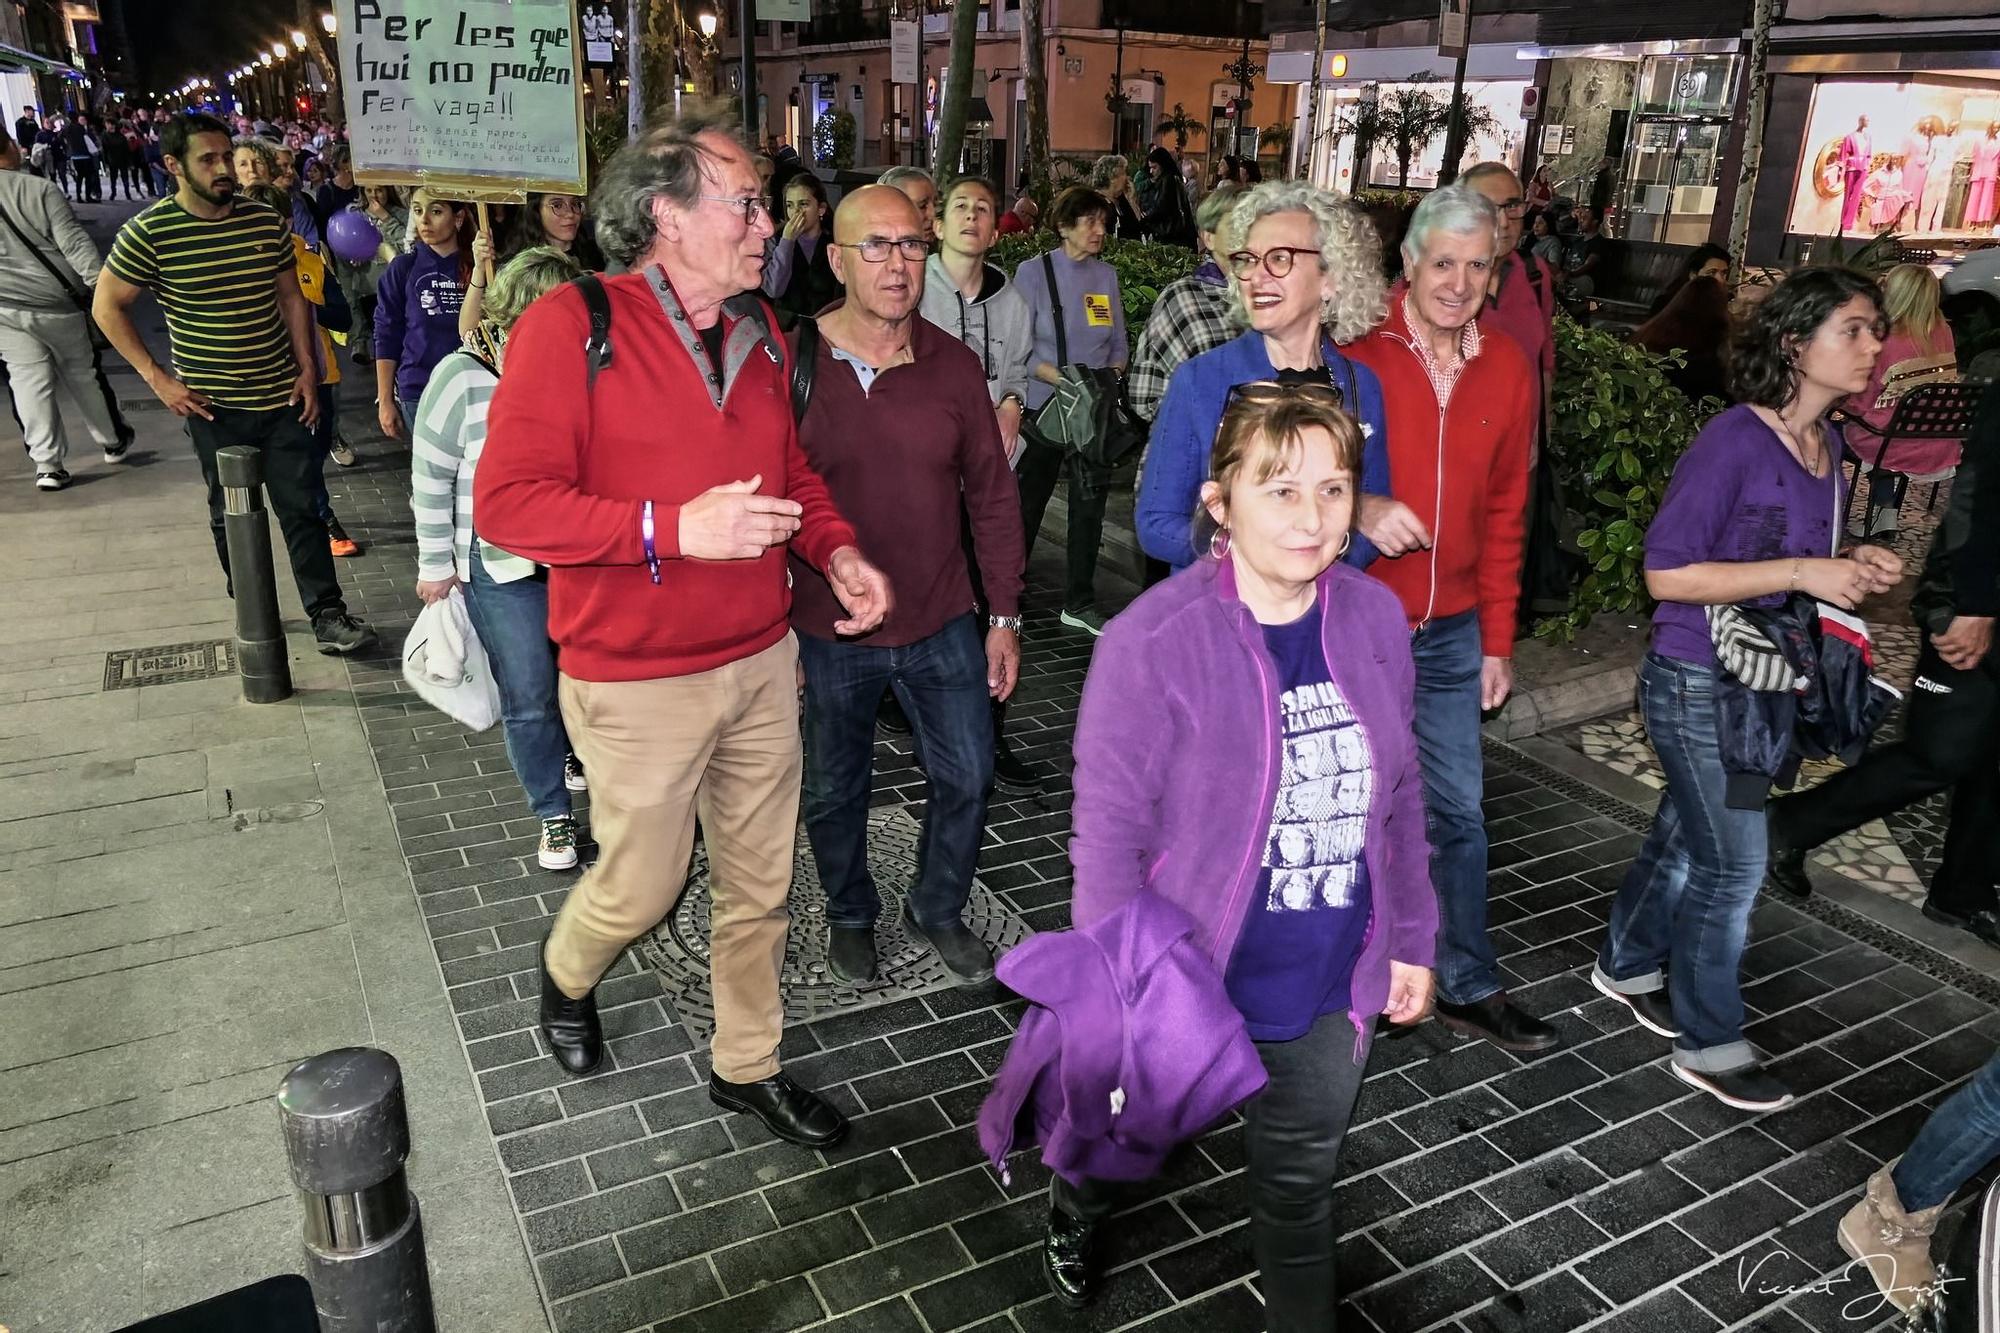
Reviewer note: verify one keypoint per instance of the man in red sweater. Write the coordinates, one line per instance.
(1461, 408)
(901, 426)
(665, 499)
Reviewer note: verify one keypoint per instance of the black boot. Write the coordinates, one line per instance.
(1069, 1259)
(1784, 867)
(575, 1037)
(1012, 773)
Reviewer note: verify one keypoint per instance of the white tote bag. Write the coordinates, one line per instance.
(444, 662)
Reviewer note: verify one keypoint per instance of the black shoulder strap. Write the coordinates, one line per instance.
(1056, 307)
(597, 347)
(805, 363)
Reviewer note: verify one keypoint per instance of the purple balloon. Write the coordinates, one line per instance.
(352, 236)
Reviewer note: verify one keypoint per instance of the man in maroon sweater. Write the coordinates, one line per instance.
(664, 500)
(901, 427)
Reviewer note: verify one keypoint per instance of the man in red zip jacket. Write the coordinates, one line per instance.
(1461, 409)
(664, 498)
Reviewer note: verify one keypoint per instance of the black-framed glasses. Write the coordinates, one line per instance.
(876, 250)
(1514, 207)
(749, 205)
(1271, 391)
(1277, 261)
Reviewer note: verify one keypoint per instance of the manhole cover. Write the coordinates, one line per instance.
(677, 948)
(169, 664)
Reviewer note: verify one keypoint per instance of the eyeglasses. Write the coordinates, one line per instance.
(1277, 261)
(1271, 391)
(749, 205)
(1513, 208)
(876, 250)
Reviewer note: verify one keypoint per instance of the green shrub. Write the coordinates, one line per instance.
(1618, 429)
(1143, 269)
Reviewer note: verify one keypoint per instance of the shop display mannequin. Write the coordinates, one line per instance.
(1854, 157)
(1979, 201)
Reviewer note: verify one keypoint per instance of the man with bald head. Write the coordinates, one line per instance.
(900, 425)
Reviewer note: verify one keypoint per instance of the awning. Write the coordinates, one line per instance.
(13, 57)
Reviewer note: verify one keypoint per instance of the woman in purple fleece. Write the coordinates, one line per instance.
(1244, 751)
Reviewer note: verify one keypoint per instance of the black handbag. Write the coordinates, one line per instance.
(1087, 414)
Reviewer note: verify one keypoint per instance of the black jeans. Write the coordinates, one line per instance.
(1951, 738)
(1041, 467)
(291, 480)
(1292, 1135)
(85, 170)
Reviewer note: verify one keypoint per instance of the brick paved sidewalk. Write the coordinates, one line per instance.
(1481, 1191)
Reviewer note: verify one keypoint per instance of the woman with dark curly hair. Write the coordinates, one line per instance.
(1750, 517)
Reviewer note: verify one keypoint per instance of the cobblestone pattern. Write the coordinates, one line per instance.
(1481, 1191)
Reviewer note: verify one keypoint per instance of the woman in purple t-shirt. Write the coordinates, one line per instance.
(1750, 517)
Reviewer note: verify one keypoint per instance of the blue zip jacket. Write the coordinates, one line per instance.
(1184, 433)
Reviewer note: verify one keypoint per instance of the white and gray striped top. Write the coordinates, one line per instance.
(445, 443)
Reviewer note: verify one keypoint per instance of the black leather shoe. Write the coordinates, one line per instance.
(890, 717)
(850, 955)
(1986, 925)
(1653, 1008)
(574, 1035)
(1786, 871)
(1069, 1261)
(793, 1113)
(1015, 774)
(963, 953)
(1500, 1022)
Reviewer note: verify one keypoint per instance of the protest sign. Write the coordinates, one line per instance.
(481, 99)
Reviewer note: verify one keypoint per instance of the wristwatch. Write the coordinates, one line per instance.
(1005, 622)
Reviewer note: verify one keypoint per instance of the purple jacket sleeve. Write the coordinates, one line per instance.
(1120, 757)
(1411, 914)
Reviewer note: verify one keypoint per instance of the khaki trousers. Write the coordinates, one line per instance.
(723, 744)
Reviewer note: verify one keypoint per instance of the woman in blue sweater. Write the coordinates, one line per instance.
(1306, 275)
(417, 304)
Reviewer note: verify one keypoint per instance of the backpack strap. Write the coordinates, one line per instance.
(596, 347)
(805, 364)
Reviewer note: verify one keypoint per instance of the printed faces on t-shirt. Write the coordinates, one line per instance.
(1321, 814)
(439, 294)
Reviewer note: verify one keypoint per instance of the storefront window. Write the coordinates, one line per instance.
(1498, 139)
(1688, 86)
(1917, 156)
(1682, 111)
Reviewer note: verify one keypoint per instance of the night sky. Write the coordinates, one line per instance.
(174, 39)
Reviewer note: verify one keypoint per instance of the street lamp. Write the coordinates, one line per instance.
(328, 22)
(706, 21)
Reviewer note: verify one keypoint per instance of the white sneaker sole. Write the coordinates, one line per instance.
(1694, 1079)
(563, 860)
(576, 784)
(1084, 625)
(1604, 988)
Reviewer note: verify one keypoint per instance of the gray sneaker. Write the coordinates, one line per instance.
(57, 480)
(1090, 620)
(338, 632)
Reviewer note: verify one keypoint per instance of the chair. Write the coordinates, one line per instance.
(1935, 411)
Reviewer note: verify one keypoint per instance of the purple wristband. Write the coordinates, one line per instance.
(646, 536)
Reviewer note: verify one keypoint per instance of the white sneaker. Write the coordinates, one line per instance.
(573, 774)
(558, 849)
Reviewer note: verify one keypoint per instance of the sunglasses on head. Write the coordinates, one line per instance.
(1266, 391)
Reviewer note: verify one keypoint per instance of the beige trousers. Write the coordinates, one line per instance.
(723, 744)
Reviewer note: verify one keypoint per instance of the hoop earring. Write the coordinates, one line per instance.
(1345, 542)
(1218, 543)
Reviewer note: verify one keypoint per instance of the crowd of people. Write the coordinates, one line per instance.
(1277, 755)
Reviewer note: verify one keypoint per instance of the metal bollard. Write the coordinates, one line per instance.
(347, 1136)
(263, 661)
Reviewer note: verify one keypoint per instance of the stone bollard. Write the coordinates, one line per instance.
(263, 662)
(347, 1137)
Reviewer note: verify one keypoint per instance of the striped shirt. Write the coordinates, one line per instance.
(446, 440)
(215, 278)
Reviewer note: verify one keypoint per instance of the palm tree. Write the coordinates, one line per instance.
(1409, 119)
(1180, 124)
(1034, 63)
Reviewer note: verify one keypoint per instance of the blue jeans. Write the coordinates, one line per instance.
(1685, 903)
(941, 683)
(408, 407)
(1961, 1136)
(1447, 727)
(512, 621)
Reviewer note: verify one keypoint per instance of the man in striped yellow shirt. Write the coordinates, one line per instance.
(222, 270)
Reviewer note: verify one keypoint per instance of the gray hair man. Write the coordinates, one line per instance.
(1461, 407)
(670, 590)
(920, 189)
(1521, 290)
(44, 337)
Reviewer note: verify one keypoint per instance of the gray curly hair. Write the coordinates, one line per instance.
(1107, 166)
(1456, 210)
(665, 162)
(1350, 253)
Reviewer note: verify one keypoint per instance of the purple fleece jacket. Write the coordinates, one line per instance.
(1177, 765)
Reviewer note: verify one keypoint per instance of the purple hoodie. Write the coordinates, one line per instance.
(1177, 766)
(416, 315)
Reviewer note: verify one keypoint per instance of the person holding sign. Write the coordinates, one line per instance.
(417, 304)
(645, 451)
(551, 220)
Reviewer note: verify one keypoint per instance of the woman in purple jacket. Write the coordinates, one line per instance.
(1244, 751)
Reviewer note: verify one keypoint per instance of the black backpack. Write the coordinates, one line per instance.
(597, 347)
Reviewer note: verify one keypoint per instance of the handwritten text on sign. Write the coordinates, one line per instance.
(478, 88)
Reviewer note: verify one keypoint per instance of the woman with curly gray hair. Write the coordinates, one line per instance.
(1307, 277)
